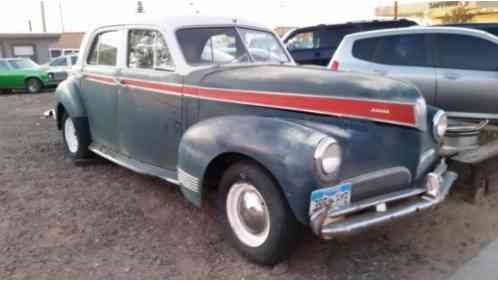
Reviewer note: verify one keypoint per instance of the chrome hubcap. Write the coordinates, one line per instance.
(33, 86)
(248, 214)
(70, 135)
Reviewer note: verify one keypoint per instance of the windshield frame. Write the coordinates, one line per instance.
(251, 61)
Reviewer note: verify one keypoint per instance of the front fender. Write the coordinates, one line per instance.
(284, 148)
(68, 98)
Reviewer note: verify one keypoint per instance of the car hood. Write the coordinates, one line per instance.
(318, 90)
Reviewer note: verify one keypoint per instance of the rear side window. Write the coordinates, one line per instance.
(400, 50)
(466, 52)
(59, 62)
(105, 49)
(304, 41)
(147, 50)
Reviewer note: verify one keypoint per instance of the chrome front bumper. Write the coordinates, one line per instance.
(332, 222)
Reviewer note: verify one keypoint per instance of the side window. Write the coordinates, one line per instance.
(104, 49)
(402, 50)
(74, 60)
(3, 66)
(148, 50)
(364, 48)
(219, 49)
(304, 41)
(466, 52)
(59, 62)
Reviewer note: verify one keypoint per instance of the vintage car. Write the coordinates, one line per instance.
(187, 100)
(24, 74)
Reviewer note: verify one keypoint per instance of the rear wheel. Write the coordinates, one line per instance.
(33, 85)
(76, 137)
(256, 216)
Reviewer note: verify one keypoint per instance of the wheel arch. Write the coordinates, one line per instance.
(210, 147)
(68, 100)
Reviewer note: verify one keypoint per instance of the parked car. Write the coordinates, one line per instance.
(22, 73)
(456, 69)
(60, 66)
(315, 45)
(281, 145)
(488, 27)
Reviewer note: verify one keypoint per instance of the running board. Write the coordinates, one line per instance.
(135, 165)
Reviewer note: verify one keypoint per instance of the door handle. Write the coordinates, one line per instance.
(451, 76)
(117, 81)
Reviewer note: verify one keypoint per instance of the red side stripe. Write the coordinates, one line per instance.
(154, 86)
(101, 78)
(393, 112)
(377, 110)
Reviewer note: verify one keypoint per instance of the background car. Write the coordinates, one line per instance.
(316, 44)
(21, 73)
(488, 27)
(60, 66)
(455, 68)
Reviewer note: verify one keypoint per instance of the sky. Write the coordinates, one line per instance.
(81, 15)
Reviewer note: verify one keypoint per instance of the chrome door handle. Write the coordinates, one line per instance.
(117, 81)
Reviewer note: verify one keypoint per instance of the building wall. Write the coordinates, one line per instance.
(40, 45)
(436, 12)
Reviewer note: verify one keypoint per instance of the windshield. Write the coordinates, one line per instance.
(22, 64)
(208, 46)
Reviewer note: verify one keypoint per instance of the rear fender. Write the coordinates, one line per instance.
(68, 99)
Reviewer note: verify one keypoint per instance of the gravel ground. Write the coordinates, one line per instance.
(99, 220)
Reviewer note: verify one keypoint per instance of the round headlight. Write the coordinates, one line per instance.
(440, 125)
(50, 76)
(328, 159)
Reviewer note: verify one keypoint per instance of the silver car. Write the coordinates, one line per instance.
(455, 68)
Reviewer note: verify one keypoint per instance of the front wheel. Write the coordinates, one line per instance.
(256, 216)
(33, 85)
(76, 137)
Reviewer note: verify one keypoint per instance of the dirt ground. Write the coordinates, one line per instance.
(99, 220)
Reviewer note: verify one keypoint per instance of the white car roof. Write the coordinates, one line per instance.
(178, 22)
(422, 30)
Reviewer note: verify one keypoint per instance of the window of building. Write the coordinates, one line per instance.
(466, 52)
(24, 51)
(148, 50)
(55, 53)
(104, 49)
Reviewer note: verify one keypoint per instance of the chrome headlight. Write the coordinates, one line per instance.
(51, 76)
(328, 158)
(440, 125)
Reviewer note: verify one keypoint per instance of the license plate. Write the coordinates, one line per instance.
(330, 199)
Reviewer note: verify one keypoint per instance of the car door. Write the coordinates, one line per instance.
(149, 108)
(467, 75)
(404, 57)
(99, 87)
(4, 74)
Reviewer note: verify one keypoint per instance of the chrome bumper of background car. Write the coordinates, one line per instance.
(370, 212)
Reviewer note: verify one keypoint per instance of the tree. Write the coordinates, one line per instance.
(460, 14)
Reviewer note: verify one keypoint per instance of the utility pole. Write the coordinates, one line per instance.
(30, 27)
(396, 10)
(62, 16)
(140, 7)
(44, 23)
